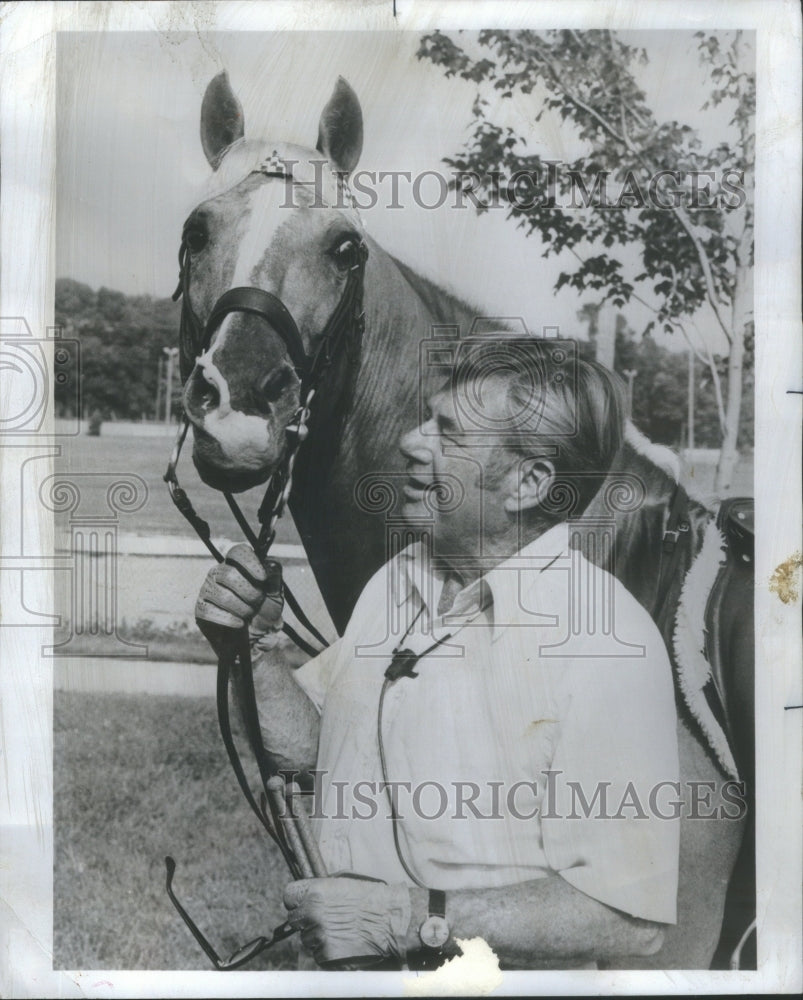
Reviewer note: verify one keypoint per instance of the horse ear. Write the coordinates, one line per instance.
(340, 128)
(221, 119)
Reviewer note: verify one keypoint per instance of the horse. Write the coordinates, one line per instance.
(279, 218)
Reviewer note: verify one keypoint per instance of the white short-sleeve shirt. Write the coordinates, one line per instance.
(539, 739)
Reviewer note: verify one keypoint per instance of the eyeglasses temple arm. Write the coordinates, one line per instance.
(211, 954)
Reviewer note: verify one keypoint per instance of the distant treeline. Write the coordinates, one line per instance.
(122, 340)
(661, 385)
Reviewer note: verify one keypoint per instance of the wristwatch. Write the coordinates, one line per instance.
(434, 931)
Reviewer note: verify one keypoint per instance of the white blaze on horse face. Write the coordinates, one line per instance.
(212, 374)
(244, 438)
(265, 216)
(279, 237)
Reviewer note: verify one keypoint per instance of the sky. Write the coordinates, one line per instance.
(130, 163)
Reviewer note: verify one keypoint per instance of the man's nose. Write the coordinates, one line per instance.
(416, 447)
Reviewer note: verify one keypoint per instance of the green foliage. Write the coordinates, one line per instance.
(692, 232)
(587, 78)
(121, 341)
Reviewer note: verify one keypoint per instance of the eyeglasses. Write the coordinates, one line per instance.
(239, 957)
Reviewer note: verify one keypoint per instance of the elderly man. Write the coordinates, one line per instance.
(485, 754)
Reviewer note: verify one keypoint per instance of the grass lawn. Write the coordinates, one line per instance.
(136, 778)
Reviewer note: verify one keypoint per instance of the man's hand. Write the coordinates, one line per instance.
(238, 593)
(355, 919)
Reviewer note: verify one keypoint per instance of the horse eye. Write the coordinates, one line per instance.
(196, 238)
(345, 253)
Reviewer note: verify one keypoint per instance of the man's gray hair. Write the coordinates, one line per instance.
(560, 407)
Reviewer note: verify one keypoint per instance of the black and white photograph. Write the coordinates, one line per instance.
(401, 448)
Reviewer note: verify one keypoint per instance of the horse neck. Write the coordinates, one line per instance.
(659, 485)
(345, 544)
(401, 309)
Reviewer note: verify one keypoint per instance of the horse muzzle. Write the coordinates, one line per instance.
(222, 470)
(240, 395)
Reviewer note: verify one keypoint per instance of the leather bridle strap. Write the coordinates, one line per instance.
(224, 671)
(343, 332)
(677, 523)
(267, 306)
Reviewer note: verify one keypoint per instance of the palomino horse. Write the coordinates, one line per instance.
(273, 273)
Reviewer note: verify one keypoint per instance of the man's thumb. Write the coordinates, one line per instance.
(273, 579)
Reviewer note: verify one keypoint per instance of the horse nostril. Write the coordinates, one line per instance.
(202, 395)
(275, 383)
(208, 393)
(210, 398)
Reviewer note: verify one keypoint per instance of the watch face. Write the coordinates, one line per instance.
(434, 932)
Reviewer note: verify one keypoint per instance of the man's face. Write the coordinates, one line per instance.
(459, 482)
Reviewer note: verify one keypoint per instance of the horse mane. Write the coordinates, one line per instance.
(656, 454)
(662, 466)
(443, 305)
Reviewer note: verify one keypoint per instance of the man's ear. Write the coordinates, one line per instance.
(531, 484)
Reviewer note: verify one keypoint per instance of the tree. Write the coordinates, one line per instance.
(686, 207)
(122, 339)
(661, 386)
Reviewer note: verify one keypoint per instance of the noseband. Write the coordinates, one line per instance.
(268, 307)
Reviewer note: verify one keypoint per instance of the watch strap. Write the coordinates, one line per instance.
(437, 903)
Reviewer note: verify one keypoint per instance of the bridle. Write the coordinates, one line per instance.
(341, 339)
(342, 334)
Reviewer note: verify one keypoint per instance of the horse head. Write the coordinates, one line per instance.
(266, 261)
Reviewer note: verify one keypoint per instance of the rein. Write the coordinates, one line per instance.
(341, 336)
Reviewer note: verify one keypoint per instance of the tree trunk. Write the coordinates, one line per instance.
(742, 308)
(606, 336)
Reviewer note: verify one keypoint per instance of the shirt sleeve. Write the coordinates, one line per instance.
(315, 676)
(609, 825)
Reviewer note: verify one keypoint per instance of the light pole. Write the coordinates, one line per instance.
(630, 374)
(691, 399)
(159, 376)
(172, 354)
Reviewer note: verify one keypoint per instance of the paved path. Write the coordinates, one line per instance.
(158, 577)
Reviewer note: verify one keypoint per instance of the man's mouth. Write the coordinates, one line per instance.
(416, 486)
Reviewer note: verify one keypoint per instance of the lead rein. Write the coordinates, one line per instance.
(289, 826)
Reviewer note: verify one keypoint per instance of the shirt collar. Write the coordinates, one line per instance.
(508, 582)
